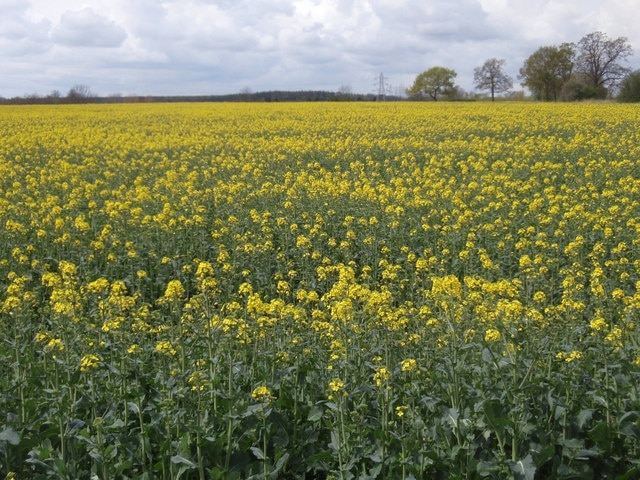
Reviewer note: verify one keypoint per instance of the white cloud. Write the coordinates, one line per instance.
(222, 46)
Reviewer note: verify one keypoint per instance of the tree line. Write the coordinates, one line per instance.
(75, 95)
(592, 68)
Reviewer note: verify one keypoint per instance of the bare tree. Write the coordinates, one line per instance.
(79, 93)
(245, 94)
(491, 77)
(598, 59)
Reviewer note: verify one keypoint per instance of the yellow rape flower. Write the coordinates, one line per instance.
(336, 385)
(166, 348)
(492, 335)
(381, 376)
(89, 362)
(173, 293)
(262, 394)
(409, 365)
(401, 410)
(198, 381)
(569, 356)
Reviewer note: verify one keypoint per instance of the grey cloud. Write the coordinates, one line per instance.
(86, 28)
(221, 46)
(19, 35)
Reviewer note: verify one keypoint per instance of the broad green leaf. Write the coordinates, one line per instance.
(258, 453)
(524, 469)
(486, 469)
(584, 416)
(315, 413)
(179, 459)
(282, 461)
(10, 436)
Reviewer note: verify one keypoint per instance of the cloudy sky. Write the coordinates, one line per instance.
(175, 47)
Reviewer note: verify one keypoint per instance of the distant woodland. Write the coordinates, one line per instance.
(81, 95)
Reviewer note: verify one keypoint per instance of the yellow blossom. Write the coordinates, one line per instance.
(381, 376)
(89, 362)
(166, 348)
(569, 356)
(409, 365)
(262, 394)
(401, 410)
(492, 335)
(336, 385)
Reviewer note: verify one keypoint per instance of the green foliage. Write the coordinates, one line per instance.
(578, 88)
(433, 83)
(546, 70)
(630, 88)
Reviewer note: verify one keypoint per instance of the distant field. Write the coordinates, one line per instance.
(319, 290)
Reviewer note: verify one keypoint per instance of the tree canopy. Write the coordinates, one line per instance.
(546, 71)
(592, 68)
(630, 88)
(433, 83)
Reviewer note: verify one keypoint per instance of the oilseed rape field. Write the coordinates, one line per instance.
(320, 291)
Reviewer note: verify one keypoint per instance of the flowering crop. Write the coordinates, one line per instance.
(398, 290)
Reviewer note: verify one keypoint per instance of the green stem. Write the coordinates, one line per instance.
(227, 459)
(343, 437)
(142, 434)
(264, 446)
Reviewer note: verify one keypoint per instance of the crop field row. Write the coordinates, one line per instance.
(388, 290)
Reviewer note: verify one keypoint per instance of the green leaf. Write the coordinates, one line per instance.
(486, 469)
(601, 435)
(280, 438)
(335, 441)
(374, 457)
(133, 407)
(633, 473)
(628, 426)
(546, 454)
(10, 436)
(496, 416)
(259, 454)
(524, 469)
(179, 459)
(282, 461)
(315, 413)
(584, 416)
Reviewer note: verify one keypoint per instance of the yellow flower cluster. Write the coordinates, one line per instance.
(336, 385)
(492, 335)
(409, 365)
(262, 394)
(89, 362)
(569, 356)
(381, 376)
(166, 348)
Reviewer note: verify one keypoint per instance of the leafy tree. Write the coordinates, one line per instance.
(432, 83)
(547, 70)
(578, 87)
(630, 88)
(491, 77)
(599, 58)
